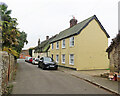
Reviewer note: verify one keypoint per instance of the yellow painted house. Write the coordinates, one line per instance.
(82, 46)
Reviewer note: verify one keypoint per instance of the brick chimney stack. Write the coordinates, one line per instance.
(47, 37)
(73, 22)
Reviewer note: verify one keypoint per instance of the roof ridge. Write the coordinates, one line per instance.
(76, 29)
(87, 19)
(78, 23)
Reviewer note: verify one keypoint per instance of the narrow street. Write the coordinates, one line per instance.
(32, 80)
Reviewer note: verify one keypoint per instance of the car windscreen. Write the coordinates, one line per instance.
(46, 59)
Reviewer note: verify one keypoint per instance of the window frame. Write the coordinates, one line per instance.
(72, 41)
(57, 58)
(62, 59)
(70, 59)
(63, 43)
(52, 46)
(57, 45)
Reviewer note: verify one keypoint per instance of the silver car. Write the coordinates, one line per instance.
(35, 61)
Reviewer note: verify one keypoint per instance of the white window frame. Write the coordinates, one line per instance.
(57, 58)
(63, 43)
(57, 45)
(52, 46)
(63, 61)
(72, 43)
(71, 63)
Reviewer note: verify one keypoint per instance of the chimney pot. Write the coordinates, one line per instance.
(47, 37)
(73, 22)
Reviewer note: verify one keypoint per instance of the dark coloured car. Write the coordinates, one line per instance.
(47, 63)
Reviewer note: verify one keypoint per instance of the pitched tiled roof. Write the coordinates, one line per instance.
(44, 46)
(76, 29)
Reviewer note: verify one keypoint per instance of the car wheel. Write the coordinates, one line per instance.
(43, 67)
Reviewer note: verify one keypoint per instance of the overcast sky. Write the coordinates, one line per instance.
(39, 18)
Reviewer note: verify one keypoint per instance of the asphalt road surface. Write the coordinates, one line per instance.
(32, 80)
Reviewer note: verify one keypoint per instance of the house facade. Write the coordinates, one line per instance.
(24, 53)
(42, 50)
(82, 46)
(114, 54)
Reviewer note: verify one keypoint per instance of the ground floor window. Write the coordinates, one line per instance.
(71, 61)
(57, 58)
(63, 58)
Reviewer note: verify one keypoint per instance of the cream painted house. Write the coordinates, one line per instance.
(82, 46)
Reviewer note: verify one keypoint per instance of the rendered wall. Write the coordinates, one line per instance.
(89, 49)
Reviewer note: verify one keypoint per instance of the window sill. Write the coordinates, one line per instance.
(71, 64)
(71, 46)
(63, 47)
(63, 62)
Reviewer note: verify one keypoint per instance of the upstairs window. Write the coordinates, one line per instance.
(63, 43)
(71, 61)
(52, 45)
(71, 41)
(57, 45)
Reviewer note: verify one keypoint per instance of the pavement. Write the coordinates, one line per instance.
(93, 76)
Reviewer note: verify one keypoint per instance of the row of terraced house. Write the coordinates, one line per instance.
(82, 46)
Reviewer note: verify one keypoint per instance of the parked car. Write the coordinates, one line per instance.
(27, 59)
(35, 61)
(47, 63)
(30, 60)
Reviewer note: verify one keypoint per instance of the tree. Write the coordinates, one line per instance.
(9, 30)
(12, 39)
(22, 39)
(5, 14)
